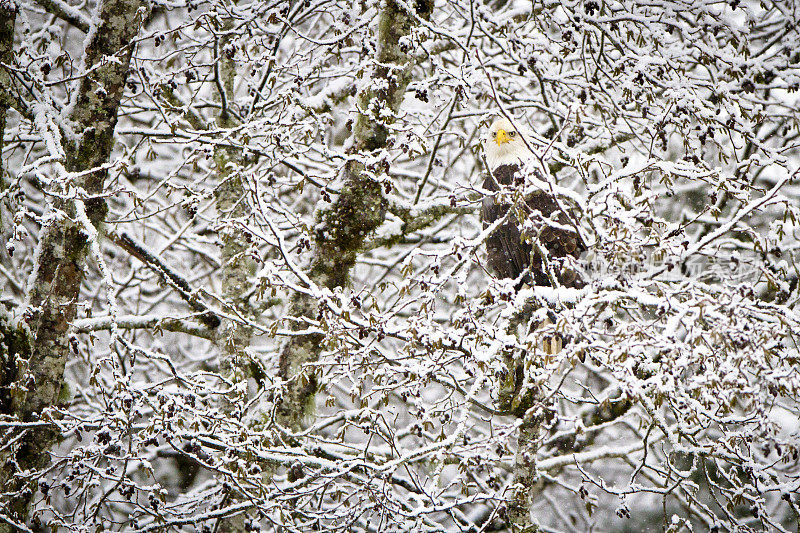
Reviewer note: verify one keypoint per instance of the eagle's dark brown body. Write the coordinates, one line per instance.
(511, 255)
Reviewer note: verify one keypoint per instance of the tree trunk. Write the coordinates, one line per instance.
(238, 266)
(234, 207)
(519, 505)
(359, 209)
(8, 15)
(523, 401)
(63, 241)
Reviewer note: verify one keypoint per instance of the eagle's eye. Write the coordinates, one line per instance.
(512, 133)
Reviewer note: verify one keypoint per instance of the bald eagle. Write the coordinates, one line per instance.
(540, 252)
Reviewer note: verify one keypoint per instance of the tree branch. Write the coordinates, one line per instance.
(176, 325)
(173, 279)
(67, 13)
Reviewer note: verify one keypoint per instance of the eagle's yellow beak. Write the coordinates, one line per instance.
(502, 137)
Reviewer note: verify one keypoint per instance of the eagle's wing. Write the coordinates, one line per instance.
(557, 235)
(509, 254)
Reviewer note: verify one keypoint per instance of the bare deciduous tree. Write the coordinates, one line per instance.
(245, 284)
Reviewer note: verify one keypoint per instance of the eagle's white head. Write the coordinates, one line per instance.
(503, 145)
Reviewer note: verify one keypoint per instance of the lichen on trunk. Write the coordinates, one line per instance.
(8, 15)
(59, 267)
(238, 266)
(360, 207)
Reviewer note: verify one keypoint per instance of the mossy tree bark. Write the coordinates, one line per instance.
(8, 15)
(234, 207)
(54, 288)
(238, 265)
(360, 207)
(521, 501)
(521, 399)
